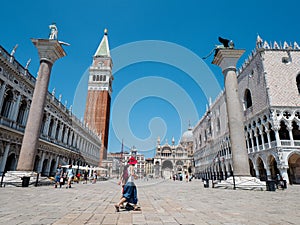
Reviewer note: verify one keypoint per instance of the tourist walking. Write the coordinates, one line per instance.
(94, 177)
(85, 176)
(58, 176)
(130, 190)
(70, 176)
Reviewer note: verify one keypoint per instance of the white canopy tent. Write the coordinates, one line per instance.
(85, 168)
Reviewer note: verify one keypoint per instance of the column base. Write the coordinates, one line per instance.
(243, 182)
(24, 179)
(19, 178)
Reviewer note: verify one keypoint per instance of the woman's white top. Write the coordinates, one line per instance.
(130, 176)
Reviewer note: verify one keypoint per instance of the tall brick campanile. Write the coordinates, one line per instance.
(97, 110)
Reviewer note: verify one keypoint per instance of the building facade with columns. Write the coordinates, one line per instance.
(174, 159)
(268, 89)
(64, 139)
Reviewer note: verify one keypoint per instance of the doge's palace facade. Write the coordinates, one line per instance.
(269, 90)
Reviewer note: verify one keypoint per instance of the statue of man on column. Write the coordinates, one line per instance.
(53, 32)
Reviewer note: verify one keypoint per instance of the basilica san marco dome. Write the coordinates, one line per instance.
(187, 136)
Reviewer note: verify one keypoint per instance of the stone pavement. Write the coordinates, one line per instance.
(164, 202)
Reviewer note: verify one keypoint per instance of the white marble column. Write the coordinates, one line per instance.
(268, 137)
(268, 171)
(290, 129)
(284, 174)
(49, 165)
(40, 166)
(262, 137)
(47, 123)
(16, 108)
(257, 172)
(227, 59)
(56, 162)
(60, 133)
(25, 117)
(2, 92)
(4, 158)
(49, 51)
(277, 137)
(54, 128)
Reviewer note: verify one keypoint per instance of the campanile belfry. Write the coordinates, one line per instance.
(97, 110)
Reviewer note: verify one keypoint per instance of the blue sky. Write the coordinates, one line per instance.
(156, 49)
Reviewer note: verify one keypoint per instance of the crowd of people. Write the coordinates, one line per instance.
(68, 177)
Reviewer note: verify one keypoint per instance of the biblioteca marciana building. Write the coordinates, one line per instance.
(269, 90)
(64, 139)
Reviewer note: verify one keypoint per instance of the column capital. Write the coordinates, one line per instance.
(227, 58)
(49, 50)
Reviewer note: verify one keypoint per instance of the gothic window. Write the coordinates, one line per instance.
(98, 77)
(94, 78)
(218, 125)
(265, 135)
(200, 140)
(258, 137)
(247, 99)
(265, 118)
(298, 82)
(283, 132)
(7, 104)
(272, 133)
(21, 113)
(296, 131)
(102, 78)
(249, 141)
(253, 136)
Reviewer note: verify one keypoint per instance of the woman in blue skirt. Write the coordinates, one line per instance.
(130, 191)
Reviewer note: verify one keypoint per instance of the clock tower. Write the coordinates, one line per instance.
(97, 110)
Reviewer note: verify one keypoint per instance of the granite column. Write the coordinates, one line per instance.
(49, 51)
(227, 59)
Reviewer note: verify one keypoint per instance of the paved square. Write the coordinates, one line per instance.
(165, 202)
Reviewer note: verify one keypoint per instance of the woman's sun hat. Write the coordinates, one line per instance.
(132, 161)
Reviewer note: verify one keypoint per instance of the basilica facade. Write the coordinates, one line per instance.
(269, 90)
(63, 139)
(171, 159)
